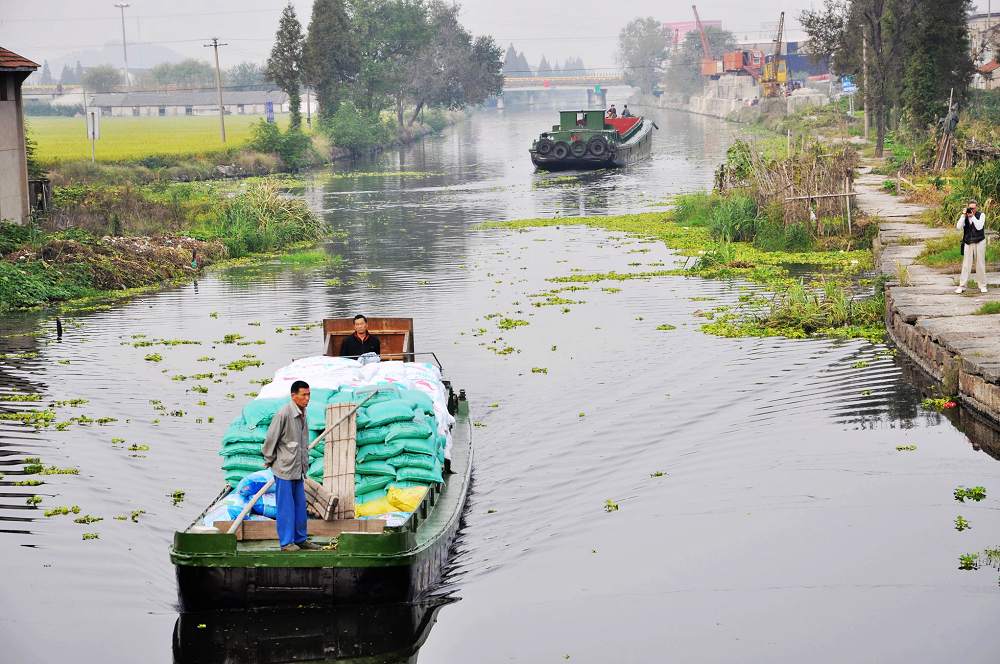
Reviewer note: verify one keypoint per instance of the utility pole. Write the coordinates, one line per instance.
(122, 6)
(864, 62)
(218, 85)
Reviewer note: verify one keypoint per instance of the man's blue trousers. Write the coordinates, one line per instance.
(292, 518)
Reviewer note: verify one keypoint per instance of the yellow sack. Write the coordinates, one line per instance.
(374, 507)
(406, 499)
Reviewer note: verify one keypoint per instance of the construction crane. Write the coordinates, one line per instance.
(709, 65)
(775, 74)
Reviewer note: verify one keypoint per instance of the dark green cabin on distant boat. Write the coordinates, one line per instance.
(586, 139)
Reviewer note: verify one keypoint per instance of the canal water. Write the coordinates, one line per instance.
(759, 507)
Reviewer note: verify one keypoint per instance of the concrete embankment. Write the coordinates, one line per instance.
(938, 329)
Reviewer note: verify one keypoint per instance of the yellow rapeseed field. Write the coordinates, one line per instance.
(65, 139)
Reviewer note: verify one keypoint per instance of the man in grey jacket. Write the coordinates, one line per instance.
(286, 453)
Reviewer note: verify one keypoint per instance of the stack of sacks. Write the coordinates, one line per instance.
(230, 507)
(406, 446)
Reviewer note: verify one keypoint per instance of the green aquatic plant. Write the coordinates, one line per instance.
(36, 418)
(153, 357)
(539, 370)
(968, 561)
(20, 397)
(28, 483)
(511, 323)
(610, 506)
(91, 536)
(177, 496)
(138, 447)
(657, 473)
(87, 519)
(200, 389)
(70, 402)
(241, 364)
(906, 448)
(33, 500)
(939, 404)
(666, 327)
(975, 494)
(961, 523)
(231, 338)
(62, 510)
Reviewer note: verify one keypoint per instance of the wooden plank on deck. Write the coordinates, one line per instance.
(268, 530)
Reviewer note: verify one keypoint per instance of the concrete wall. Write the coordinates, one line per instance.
(13, 167)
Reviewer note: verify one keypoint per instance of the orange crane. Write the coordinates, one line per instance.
(709, 65)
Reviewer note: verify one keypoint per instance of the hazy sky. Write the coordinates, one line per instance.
(54, 29)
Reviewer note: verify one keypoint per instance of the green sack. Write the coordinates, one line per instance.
(420, 474)
(317, 451)
(379, 452)
(260, 412)
(387, 412)
(239, 432)
(230, 449)
(316, 467)
(368, 483)
(370, 496)
(408, 460)
(375, 468)
(233, 477)
(420, 400)
(426, 446)
(245, 462)
(414, 429)
(371, 435)
(316, 410)
(406, 484)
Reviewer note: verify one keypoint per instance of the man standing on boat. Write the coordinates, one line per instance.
(612, 112)
(286, 453)
(361, 341)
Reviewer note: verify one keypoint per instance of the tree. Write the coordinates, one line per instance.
(284, 66)
(544, 68)
(103, 78)
(642, 50)
(453, 70)
(68, 75)
(515, 64)
(188, 73)
(330, 54)
(938, 60)
(684, 72)
(245, 75)
(388, 33)
(46, 74)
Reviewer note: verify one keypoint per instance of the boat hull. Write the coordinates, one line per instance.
(214, 571)
(637, 148)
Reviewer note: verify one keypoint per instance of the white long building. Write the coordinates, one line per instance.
(188, 102)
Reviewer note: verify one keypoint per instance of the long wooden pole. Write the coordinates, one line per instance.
(802, 198)
(253, 501)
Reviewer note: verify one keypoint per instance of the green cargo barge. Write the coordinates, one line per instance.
(364, 562)
(589, 140)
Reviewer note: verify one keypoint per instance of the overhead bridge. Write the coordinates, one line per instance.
(591, 90)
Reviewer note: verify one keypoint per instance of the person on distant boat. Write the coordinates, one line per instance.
(612, 112)
(361, 342)
(286, 453)
(625, 112)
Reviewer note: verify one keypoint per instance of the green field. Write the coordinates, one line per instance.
(123, 139)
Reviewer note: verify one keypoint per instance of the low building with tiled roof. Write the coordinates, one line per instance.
(189, 102)
(14, 204)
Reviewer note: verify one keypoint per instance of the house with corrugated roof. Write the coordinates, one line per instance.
(188, 102)
(14, 205)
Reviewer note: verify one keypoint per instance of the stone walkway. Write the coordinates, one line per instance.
(935, 327)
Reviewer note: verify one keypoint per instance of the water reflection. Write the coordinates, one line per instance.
(389, 634)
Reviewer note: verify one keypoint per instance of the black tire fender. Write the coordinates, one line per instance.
(560, 150)
(598, 146)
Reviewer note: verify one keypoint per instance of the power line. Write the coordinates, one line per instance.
(142, 16)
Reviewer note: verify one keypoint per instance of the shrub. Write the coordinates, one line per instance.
(734, 219)
(355, 130)
(260, 219)
(294, 147)
(435, 119)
